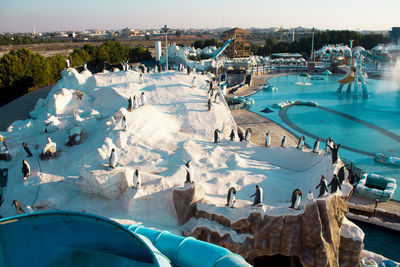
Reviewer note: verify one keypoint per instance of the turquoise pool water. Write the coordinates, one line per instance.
(363, 126)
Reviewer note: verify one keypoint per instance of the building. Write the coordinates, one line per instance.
(240, 47)
(394, 35)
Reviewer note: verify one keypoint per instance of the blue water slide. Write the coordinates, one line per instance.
(188, 251)
(219, 52)
(64, 238)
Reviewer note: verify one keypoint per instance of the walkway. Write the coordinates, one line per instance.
(19, 108)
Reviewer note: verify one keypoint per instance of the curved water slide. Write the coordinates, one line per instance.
(219, 51)
(66, 238)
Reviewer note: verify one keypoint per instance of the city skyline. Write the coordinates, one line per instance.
(48, 16)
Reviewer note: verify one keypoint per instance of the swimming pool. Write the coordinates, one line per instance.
(362, 126)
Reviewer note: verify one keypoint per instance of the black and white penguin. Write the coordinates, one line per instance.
(240, 134)
(258, 195)
(323, 187)
(316, 146)
(248, 134)
(310, 195)
(217, 98)
(334, 184)
(232, 136)
(143, 99)
(216, 136)
(335, 152)
(141, 78)
(194, 82)
(296, 199)
(26, 169)
(284, 142)
(130, 106)
(26, 148)
(231, 197)
(189, 172)
(113, 159)
(124, 123)
(136, 179)
(341, 174)
(209, 104)
(135, 102)
(328, 142)
(300, 144)
(267, 140)
(18, 207)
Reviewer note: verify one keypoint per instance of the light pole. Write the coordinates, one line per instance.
(312, 45)
(166, 30)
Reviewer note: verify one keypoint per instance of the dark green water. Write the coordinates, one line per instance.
(381, 240)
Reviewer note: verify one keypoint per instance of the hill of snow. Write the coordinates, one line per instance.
(174, 125)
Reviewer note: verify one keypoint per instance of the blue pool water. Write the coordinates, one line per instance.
(363, 126)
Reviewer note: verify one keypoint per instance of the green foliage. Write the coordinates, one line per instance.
(22, 70)
(204, 43)
(138, 54)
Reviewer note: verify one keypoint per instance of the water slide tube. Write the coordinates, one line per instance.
(65, 238)
(188, 251)
(219, 52)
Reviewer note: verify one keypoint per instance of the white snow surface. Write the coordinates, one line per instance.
(173, 126)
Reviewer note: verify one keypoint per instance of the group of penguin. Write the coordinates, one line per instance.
(323, 185)
(113, 161)
(335, 183)
(210, 95)
(243, 136)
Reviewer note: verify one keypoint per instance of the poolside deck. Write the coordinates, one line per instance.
(386, 211)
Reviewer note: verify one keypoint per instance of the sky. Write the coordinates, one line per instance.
(59, 15)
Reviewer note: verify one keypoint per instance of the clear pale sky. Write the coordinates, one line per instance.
(58, 15)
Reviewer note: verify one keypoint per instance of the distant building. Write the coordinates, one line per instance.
(240, 47)
(394, 35)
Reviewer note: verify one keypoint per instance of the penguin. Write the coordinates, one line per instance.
(135, 102)
(124, 123)
(216, 136)
(231, 197)
(328, 142)
(258, 195)
(18, 207)
(50, 148)
(248, 134)
(26, 148)
(141, 78)
(323, 187)
(296, 199)
(136, 179)
(232, 136)
(130, 106)
(26, 169)
(143, 99)
(267, 140)
(334, 150)
(341, 174)
(211, 86)
(284, 142)
(189, 172)
(316, 146)
(3, 144)
(240, 134)
(310, 195)
(194, 83)
(209, 104)
(113, 159)
(217, 97)
(334, 184)
(300, 144)
(352, 177)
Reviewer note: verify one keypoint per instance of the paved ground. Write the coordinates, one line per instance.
(19, 108)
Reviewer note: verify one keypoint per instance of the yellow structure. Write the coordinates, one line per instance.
(240, 47)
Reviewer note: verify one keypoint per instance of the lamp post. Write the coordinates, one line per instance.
(312, 45)
(166, 30)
